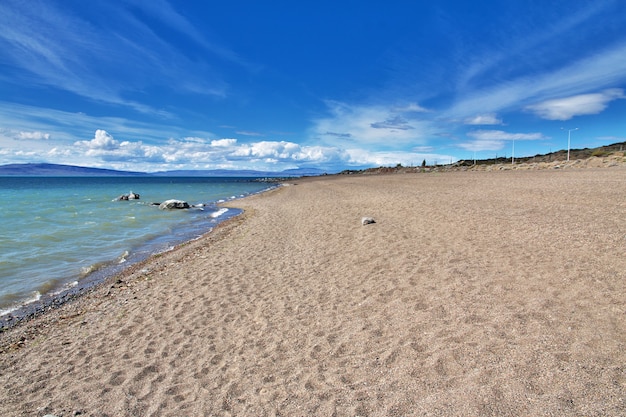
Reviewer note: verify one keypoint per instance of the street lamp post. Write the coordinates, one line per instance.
(569, 133)
(513, 153)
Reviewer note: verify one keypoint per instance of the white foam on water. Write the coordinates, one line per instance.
(35, 297)
(218, 213)
(66, 287)
(123, 258)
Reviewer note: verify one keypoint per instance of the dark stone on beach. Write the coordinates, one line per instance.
(367, 220)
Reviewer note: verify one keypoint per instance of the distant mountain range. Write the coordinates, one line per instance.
(41, 169)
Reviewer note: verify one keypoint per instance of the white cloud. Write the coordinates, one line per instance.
(33, 136)
(105, 148)
(223, 143)
(583, 104)
(267, 149)
(484, 119)
(101, 141)
(280, 150)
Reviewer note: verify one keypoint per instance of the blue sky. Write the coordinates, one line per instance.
(154, 85)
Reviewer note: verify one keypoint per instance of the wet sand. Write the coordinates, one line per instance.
(474, 293)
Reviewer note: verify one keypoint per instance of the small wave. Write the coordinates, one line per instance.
(36, 296)
(86, 270)
(218, 213)
(66, 287)
(123, 258)
(166, 249)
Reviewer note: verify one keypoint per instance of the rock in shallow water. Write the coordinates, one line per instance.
(174, 204)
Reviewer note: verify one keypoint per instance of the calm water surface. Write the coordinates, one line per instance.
(56, 231)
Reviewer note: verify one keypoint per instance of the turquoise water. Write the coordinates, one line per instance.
(58, 231)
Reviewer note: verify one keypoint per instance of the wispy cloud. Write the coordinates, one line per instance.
(604, 69)
(410, 108)
(248, 133)
(164, 11)
(394, 123)
(97, 59)
(32, 136)
(569, 107)
(495, 139)
(502, 135)
(368, 125)
(483, 145)
(484, 119)
(339, 135)
(68, 127)
(537, 38)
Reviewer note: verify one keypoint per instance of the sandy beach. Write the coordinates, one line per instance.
(473, 294)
